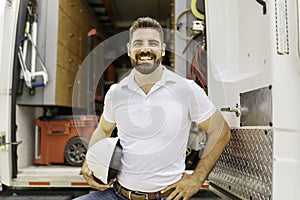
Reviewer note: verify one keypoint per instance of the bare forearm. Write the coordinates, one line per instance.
(97, 135)
(212, 152)
(103, 130)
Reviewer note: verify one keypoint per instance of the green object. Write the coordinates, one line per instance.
(20, 86)
(32, 90)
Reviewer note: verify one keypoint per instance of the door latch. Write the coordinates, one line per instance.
(263, 4)
(3, 143)
(237, 110)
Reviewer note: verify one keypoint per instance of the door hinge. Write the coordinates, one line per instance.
(9, 2)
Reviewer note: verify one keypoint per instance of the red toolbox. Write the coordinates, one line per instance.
(63, 139)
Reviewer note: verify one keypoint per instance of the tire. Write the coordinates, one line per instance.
(75, 151)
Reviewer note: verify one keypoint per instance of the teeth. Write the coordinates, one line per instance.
(145, 58)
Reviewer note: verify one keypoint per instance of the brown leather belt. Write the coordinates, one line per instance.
(135, 195)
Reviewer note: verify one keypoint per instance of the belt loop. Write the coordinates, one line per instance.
(147, 196)
(157, 196)
(119, 189)
(129, 195)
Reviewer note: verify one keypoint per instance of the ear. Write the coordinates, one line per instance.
(128, 49)
(163, 50)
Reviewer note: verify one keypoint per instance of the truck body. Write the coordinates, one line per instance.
(19, 146)
(255, 75)
(253, 64)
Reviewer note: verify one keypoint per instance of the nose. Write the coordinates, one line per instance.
(145, 48)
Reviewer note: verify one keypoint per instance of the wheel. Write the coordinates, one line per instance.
(75, 151)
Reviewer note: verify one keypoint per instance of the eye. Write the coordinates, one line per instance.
(154, 43)
(137, 44)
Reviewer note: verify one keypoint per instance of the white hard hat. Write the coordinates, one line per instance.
(104, 159)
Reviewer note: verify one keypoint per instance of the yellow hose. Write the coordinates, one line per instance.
(195, 11)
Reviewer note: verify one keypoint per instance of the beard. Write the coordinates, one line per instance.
(145, 67)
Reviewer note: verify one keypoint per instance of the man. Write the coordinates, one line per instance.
(153, 109)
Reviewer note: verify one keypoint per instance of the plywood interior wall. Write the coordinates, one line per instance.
(74, 24)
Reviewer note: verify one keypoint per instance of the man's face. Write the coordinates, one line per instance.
(146, 50)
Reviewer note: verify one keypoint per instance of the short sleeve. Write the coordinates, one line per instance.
(108, 107)
(200, 107)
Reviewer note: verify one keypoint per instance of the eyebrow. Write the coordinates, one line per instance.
(156, 41)
(138, 40)
(134, 41)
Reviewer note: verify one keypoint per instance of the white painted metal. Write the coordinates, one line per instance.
(237, 53)
(28, 174)
(179, 45)
(25, 119)
(8, 32)
(2, 8)
(243, 56)
(286, 107)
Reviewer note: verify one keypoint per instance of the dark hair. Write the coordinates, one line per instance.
(146, 22)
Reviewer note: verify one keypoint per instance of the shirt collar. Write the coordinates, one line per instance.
(129, 81)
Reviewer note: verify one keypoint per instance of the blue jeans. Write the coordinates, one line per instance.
(109, 194)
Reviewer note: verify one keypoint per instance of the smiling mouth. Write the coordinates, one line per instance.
(145, 59)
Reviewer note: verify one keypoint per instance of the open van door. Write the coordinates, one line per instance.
(8, 24)
(254, 78)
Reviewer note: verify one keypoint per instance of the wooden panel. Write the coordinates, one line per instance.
(66, 59)
(74, 24)
(68, 33)
(84, 46)
(64, 87)
(76, 11)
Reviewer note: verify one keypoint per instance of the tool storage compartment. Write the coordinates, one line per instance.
(62, 43)
(63, 139)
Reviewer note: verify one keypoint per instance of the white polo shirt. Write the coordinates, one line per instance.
(153, 128)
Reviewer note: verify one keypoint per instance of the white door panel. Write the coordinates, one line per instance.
(237, 51)
(9, 13)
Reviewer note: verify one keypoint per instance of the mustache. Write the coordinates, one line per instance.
(148, 54)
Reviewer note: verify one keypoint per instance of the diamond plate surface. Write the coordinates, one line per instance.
(245, 167)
